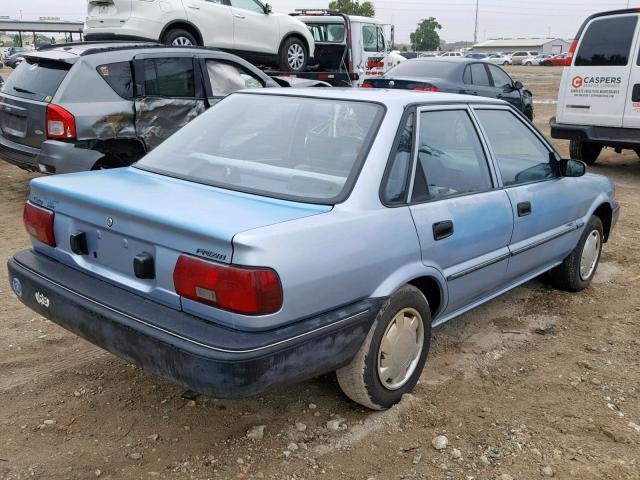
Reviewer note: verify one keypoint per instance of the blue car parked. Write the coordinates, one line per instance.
(286, 234)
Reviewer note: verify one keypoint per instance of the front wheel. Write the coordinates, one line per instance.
(588, 152)
(579, 268)
(293, 55)
(391, 359)
(505, 63)
(528, 64)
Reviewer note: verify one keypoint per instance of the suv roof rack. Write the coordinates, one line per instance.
(51, 46)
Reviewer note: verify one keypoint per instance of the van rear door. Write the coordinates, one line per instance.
(594, 89)
(632, 109)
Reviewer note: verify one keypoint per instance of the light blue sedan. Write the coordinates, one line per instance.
(286, 234)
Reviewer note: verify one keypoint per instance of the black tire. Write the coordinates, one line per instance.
(505, 64)
(180, 37)
(588, 152)
(567, 275)
(359, 380)
(528, 64)
(293, 55)
(528, 112)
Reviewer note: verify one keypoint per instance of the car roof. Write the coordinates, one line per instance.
(70, 51)
(387, 97)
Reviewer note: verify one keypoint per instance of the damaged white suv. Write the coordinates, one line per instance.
(247, 28)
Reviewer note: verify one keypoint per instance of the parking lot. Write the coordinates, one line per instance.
(537, 383)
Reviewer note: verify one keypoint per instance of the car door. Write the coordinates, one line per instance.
(503, 85)
(463, 223)
(214, 20)
(477, 80)
(632, 109)
(168, 94)
(546, 207)
(254, 30)
(374, 49)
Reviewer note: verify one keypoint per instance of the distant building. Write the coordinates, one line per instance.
(540, 45)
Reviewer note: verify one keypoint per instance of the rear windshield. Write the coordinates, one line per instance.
(423, 68)
(294, 148)
(327, 32)
(607, 42)
(36, 79)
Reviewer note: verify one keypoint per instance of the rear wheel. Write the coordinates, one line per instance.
(391, 359)
(578, 269)
(588, 152)
(528, 64)
(505, 63)
(528, 112)
(179, 38)
(293, 55)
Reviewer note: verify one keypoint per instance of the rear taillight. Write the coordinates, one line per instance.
(572, 51)
(367, 85)
(39, 223)
(250, 291)
(427, 88)
(60, 123)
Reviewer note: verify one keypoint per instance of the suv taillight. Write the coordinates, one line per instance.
(245, 290)
(60, 123)
(572, 51)
(39, 223)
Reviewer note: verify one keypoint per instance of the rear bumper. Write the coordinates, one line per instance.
(19, 155)
(192, 352)
(609, 136)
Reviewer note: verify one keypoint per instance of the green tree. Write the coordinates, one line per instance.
(353, 7)
(426, 36)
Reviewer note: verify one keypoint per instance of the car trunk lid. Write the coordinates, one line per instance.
(107, 13)
(127, 212)
(404, 83)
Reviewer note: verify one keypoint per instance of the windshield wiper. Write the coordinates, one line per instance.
(23, 90)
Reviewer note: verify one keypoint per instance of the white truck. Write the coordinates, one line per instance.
(348, 48)
(599, 101)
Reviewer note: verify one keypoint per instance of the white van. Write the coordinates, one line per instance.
(599, 100)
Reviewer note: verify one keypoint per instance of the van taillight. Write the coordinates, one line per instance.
(60, 123)
(39, 223)
(572, 51)
(245, 290)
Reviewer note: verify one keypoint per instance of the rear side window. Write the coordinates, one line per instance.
(36, 79)
(118, 77)
(607, 42)
(169, 77)
(227, 78)
(397, 180)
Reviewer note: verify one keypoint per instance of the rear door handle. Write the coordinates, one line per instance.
(524, 209)
(635, 96)
(238, 16)
(442, 230)
(194, 7)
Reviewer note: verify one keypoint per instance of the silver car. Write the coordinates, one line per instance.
(284, 234)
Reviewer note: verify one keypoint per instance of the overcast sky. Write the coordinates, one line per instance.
(497, 18)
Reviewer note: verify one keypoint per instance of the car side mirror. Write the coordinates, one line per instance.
(517, 85)
(572, 168)
(268, 9)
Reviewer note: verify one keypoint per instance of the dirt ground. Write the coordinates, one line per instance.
(513, 404)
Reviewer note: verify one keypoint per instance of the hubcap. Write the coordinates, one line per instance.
(400, 349)
(295, 56)
(182, 42)
(590, 255)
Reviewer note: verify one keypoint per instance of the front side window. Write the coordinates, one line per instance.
(500, 77)
(451, 160)
(169, 77)
(397, 178)
(521, 155)
(227, 78)
(296, 148)
(607, 42)
(248, 5)
(372, 38)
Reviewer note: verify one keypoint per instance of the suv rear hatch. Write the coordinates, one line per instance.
(107, 13)
(127, 212)
(24, 98)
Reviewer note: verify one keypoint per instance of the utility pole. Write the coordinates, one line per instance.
(475, 32)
